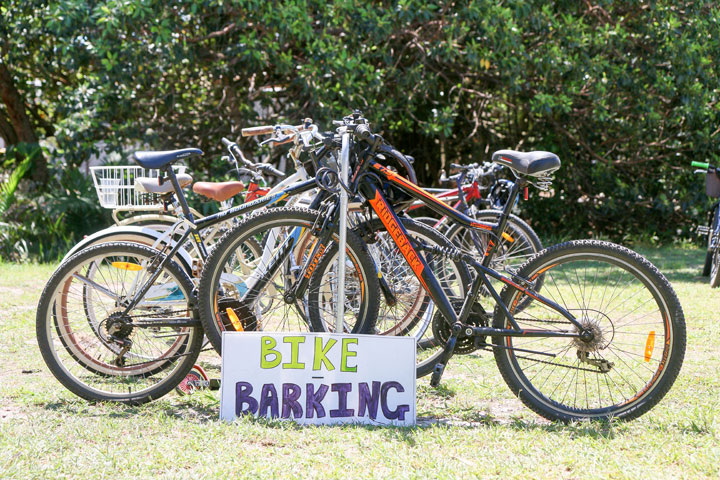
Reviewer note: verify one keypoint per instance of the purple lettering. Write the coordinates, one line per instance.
(368, 400)
(343, 389)
(399, 412)
(313, 400)
(291, 392)
(268, 400)
(242, 397)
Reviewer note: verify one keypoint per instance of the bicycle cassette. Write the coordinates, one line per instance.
(442, 329)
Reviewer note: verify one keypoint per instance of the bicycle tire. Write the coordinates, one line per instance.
(81, 354)
(509, 254)
(552, 379)
(715, 269)
(707, 267)
(525, 244)
(311, 314)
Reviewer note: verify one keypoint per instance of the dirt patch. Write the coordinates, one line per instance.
(8, 413)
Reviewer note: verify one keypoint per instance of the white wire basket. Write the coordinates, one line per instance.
(115, 187)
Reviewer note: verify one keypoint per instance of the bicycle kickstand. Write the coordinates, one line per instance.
(445, 357)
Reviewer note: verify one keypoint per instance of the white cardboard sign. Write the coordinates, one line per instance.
(318, 378)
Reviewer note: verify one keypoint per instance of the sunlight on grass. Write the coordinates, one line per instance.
(471, 426)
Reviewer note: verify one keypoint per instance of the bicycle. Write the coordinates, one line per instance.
(712, 230)
(606, 340)
(118, 321)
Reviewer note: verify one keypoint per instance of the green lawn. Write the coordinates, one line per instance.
(471, 427)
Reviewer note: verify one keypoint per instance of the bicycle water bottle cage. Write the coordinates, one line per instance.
(160, 159)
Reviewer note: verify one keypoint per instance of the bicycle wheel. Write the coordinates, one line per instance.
(715, 264)
(510, 253)
(102, 354)
(638, 326)
(234, 264)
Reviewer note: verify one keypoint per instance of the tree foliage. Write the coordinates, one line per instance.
(626, 93)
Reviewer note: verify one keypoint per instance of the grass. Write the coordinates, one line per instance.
(471, 426)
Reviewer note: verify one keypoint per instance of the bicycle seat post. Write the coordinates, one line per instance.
(178, 192)
(518, 185)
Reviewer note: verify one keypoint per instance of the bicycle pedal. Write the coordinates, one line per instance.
(437, 374)
(703, 230)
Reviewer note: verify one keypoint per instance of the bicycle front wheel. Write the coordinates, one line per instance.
(99, 351)
(637, 324)
(284, 241)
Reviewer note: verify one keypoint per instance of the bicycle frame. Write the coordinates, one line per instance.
(194, 227)
(422, 271)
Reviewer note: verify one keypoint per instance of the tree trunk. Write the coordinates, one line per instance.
(7, 132)
(20, 121)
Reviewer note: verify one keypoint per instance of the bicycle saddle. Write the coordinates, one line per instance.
(160, 159)
(219, 191)
(536, 164)
(151, 185)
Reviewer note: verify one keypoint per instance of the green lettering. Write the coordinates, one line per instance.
(321, 354)
(294, 352)
(347, 353)
(266, 350)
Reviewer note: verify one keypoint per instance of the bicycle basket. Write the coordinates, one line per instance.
(115, 187)
(712, 185)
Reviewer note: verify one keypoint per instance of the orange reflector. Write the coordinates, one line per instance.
(127, 266)
(508, 237)
(234, 320)
(649, 345)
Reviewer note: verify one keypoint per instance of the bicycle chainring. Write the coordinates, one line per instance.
(442, 328)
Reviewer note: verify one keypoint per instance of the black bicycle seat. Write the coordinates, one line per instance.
(535, 164)
(160, 159)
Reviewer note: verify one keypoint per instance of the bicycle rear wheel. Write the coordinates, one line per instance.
(638, 327)
(101, 353)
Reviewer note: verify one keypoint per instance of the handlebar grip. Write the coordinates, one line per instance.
(252, 131)
(363, 133)
(226, 142)
(700, 165)
(456, 166)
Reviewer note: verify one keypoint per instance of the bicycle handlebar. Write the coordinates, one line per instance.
(269, 129)
(704, 165)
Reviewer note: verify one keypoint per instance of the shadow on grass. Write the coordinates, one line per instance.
(197, 410)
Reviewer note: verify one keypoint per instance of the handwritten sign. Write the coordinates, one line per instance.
(319, 378)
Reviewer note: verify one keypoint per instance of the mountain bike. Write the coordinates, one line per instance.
(606, 339)
(712, 257)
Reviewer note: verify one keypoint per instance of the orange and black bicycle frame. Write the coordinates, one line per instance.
(409, 249)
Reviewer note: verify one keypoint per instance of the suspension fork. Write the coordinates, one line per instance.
(323, 234)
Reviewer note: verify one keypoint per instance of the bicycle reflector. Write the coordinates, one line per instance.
(649, 345)
(234, 320)
(133, 267)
